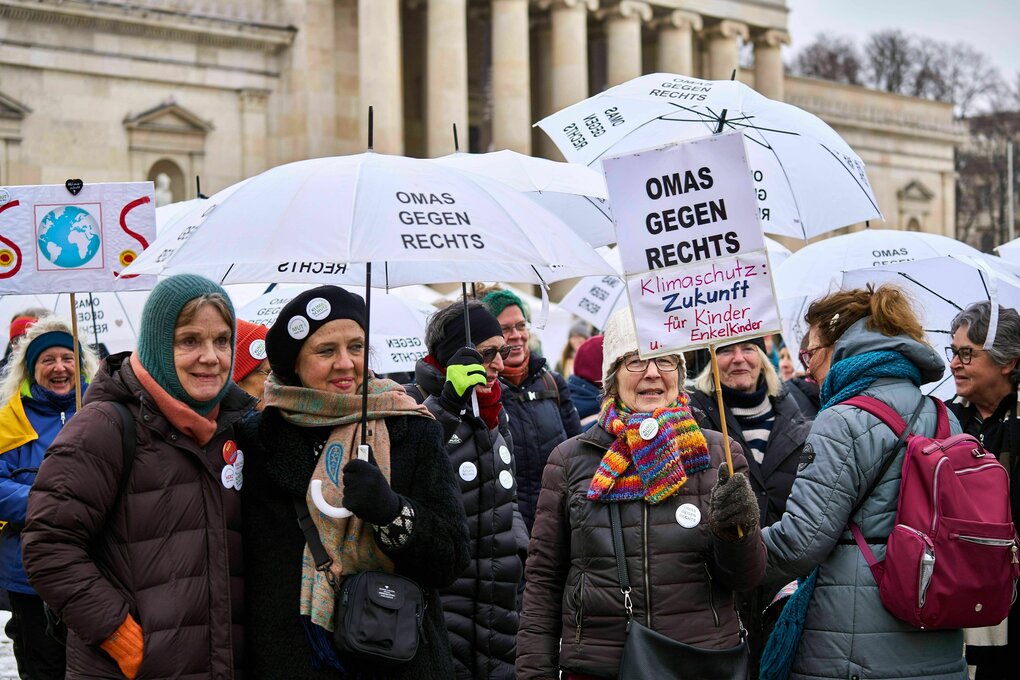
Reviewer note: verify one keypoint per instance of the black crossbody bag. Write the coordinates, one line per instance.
(377, 614)
(648, 654)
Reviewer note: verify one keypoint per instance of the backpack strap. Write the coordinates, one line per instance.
(551, 391)
(129, 438)
(550, 385)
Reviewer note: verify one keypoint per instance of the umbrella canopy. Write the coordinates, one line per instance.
(415, 220)
(1010, 251)
(808, 180)
(397, 325)
(574, 193)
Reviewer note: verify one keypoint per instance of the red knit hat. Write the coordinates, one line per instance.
(588, 360)
(250, 349)
(20, 326)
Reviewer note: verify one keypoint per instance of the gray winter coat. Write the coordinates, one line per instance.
(848, 634)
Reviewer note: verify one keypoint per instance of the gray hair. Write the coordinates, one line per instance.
(611, 381)
(435, 329)
(1006, 346)
(705, 383)
(16, 370)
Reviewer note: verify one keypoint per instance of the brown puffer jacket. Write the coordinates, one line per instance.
(171, 553)
(682, 579)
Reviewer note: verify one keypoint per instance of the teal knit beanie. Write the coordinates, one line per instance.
(156, 334)
(498, 300)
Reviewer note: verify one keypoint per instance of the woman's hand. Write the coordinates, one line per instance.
(126, 646)
(731, 505)
(464, 372)
(368, 495)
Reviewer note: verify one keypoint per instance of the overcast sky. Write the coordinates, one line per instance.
(992, 26)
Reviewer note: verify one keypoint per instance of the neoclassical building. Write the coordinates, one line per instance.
(112, 90)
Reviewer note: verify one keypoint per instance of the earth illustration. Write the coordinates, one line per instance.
(69, 236)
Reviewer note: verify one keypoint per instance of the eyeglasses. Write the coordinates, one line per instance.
(669, 362)
(520, 327)
(489, 355)
(805, 355)
(965, 354)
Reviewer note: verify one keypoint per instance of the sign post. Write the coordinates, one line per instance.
(692, 248)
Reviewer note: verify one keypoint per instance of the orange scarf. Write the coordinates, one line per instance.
(200, 428)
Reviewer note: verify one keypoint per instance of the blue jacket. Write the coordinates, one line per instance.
(27, 428)
(587, 398)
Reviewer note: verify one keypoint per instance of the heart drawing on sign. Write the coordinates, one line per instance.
(118, 322)
(74, 186)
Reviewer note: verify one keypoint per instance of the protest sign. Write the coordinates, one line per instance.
(595, 298)
(691, 245)
(56, 241)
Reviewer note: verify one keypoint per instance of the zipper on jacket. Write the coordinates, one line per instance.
(644, 547)
(63, 419)
(711, 596)
(579, 612)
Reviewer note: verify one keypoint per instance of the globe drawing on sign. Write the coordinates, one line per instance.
(69, 236)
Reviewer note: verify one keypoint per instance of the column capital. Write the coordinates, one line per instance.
(679, 18)
(590, 5)
(727, 29)
(771, 37)
(626, 9)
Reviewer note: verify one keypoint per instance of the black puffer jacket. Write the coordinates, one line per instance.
(481, 606)
(280, 460)
(541, 416)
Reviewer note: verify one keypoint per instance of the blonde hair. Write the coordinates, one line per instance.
(705, 383)
(16, 370)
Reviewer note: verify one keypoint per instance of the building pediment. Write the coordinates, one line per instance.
(169, 117)
(11, 108)
(915, 192)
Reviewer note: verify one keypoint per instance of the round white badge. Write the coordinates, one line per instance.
(227, 476)
(649, 428)
(318, 308)
(238, 480)
(297, 327)
(257, 349)
(688, 516)
(239, 462)
(504, 454)
(506, 479)
(468, 471)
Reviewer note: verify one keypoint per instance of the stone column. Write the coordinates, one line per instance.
(446, 75)
(511, 76)
(569, 49)
(723, 48)
(380, 78)
(676, 41)
(254, 131)
(623, 35)
(768, 62)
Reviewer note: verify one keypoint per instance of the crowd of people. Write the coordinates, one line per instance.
(214, 506)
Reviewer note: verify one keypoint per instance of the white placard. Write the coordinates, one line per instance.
(52, 241)
(594, 299)
(692, 246)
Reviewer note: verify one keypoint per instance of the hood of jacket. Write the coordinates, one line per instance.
(858, 339)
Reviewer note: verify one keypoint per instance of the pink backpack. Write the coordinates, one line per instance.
(951, 559)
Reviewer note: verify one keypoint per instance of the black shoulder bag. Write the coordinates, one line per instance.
(648, 654)
(55, 628)
(377, 614)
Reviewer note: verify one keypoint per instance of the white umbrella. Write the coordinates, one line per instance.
(417, 221)
(809, 181)
(574, 193)
(397, 325)
(1010, 251)
(108, 318)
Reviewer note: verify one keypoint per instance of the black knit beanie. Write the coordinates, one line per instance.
(483, 327)
(301, 317)
(156, 334)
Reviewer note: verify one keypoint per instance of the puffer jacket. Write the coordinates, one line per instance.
(27, 427)
(682, 579)
(848, 634)
(481, 605)
(280, 463)
(540, 418)
(170, 554)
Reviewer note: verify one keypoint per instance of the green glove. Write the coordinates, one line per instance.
(464, 371)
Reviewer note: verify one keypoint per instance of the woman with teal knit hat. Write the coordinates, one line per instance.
(37, 390)
(138, 548)
(860, 342)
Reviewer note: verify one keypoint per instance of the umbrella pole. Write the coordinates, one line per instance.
(467, 334)
(456, 141)
(77, 355)
(371, 129)
(722, 415)
(364, 368)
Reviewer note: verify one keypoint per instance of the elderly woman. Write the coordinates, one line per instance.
(986, 404)
(679, 511)
(861, 342)
(140, 555)
(407, 517)
(38, 396)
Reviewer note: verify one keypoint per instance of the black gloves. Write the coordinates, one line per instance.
(367, 494)
(464, 371)
(732, 504)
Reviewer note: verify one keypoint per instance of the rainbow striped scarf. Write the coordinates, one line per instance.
(634, 468)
